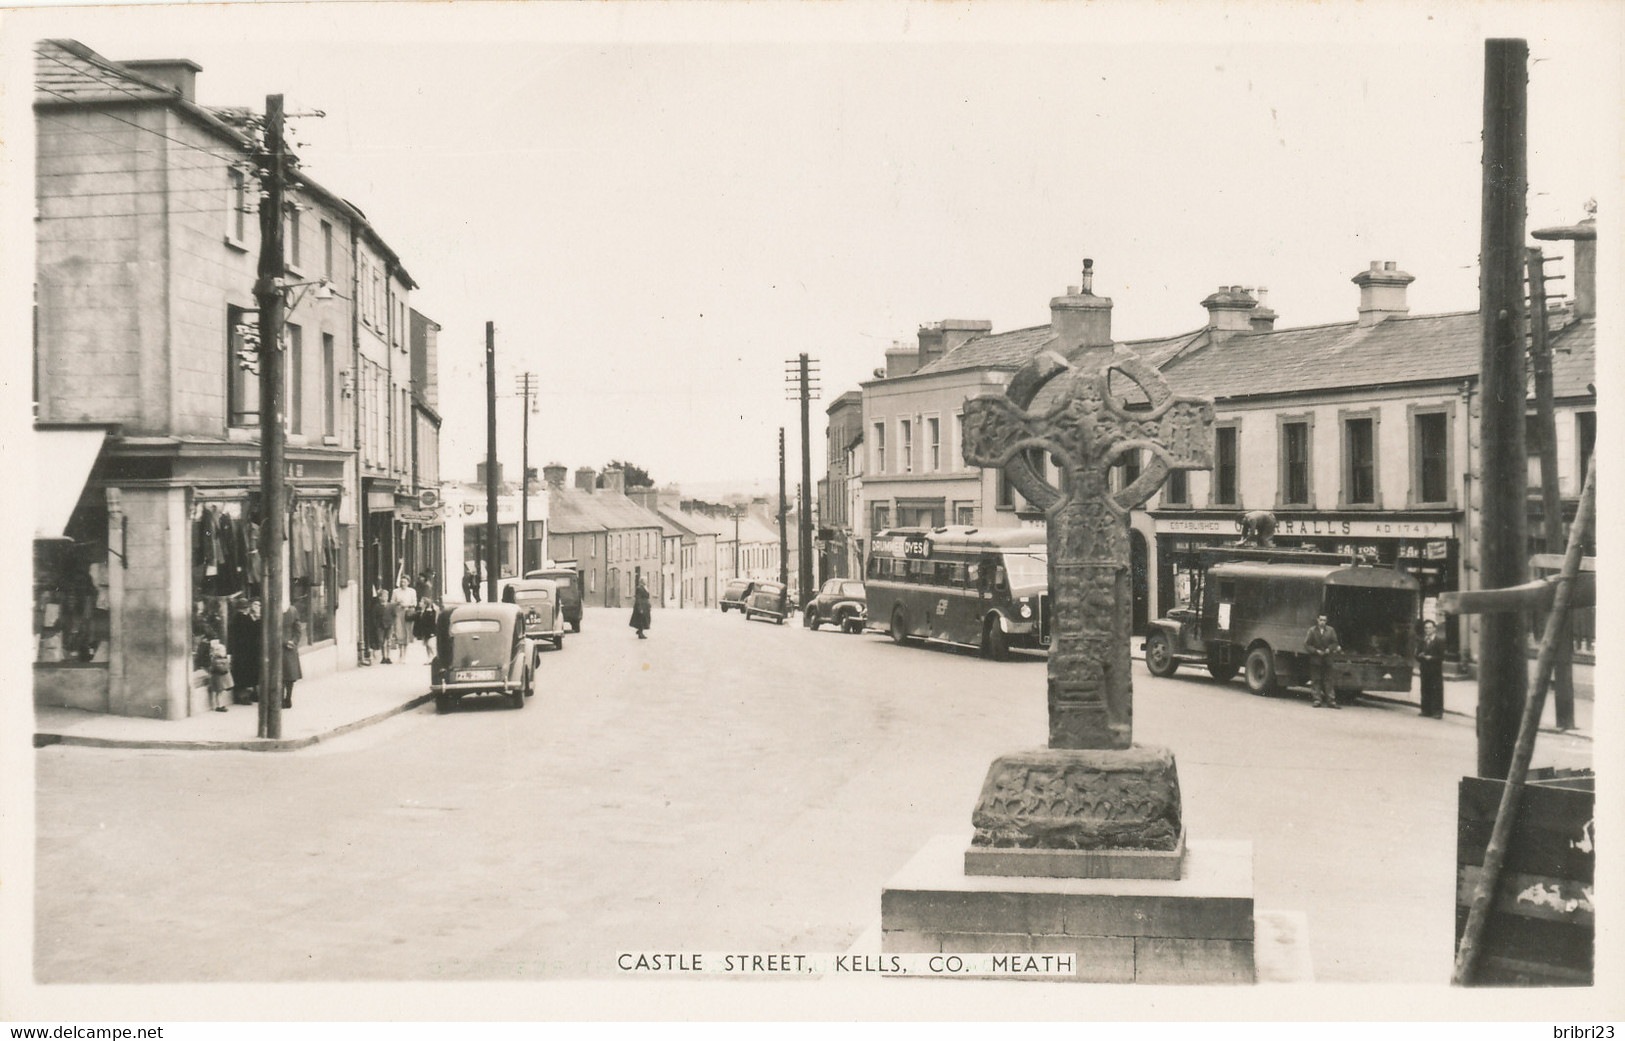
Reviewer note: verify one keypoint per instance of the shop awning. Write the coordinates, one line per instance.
(62, 462)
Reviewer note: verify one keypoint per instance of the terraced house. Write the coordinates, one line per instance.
(147, 405)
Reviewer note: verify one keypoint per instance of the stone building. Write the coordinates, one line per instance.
(147, 237)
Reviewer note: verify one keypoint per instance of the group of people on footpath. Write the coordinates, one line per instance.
(234, 662)
(1321, 642)
(402, 616)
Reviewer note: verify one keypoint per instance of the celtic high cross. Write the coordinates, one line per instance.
(1089, 430)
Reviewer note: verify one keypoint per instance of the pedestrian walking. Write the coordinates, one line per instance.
(243, 644)
(1430, 664)
(423, 628)
(293, 631)
(471, 582)
(220, 681)
(381, 621)
(403, 606)
(424, 585)
(640, 609)
(1321, 643)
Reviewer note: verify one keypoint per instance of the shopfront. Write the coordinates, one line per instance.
(72, 577)
(1426, 546)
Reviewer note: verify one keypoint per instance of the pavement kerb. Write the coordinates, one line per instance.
(44, 739)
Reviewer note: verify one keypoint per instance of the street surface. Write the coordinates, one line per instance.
(724, 785)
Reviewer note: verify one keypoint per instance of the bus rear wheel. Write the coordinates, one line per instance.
(1159, 654)
(899, 629)
(994, 643)
(1260, 670)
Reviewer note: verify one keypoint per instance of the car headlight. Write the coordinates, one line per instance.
(1026, 610)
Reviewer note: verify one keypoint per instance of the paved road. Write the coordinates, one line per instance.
(722, 785)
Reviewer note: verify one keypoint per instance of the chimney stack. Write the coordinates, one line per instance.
(1262, 319)
(553, 474)
(177, 74)
(1382, 292)
(1230, 311)
(586, 479)
(901, 360)
(1080, 318)
(939, 338)
(615, 480)
(1584, 237)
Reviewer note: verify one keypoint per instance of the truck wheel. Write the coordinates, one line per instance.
(994, 644)
(899, 630)
(1221, 666)
(1260, 670)
(1159, 655)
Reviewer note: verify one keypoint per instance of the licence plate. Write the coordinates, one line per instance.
(468, 675)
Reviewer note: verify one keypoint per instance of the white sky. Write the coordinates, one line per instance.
(658, 205)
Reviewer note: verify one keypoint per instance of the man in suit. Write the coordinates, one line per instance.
(1430, 663)
(1321, 643)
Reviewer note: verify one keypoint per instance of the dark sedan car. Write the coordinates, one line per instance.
(768, 600)
(736, 593)
(842, 603)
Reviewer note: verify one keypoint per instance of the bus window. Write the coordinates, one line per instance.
(971, 576)
(874, 567)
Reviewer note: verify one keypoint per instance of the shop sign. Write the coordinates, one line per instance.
(1197, 525)
(1437, 550)
(251, 468)
(1364, 529)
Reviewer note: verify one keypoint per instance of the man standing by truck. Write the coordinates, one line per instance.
(1321, 642)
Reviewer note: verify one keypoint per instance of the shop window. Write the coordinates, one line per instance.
(1359, 460)
(1295, 462)
(880, 515)
(71, 620)
(1225, 466)
(242, 367)
(1430, 457)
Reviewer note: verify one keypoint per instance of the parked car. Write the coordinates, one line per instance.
(568, 578)
(480, 649)
(544, 612)
(768, 600)
(842, 602)
(736, 593)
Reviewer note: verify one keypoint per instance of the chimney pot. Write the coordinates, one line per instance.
(1382, 292)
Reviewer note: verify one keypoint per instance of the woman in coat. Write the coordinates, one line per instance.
(640, 610)
(243, 643)
(293, 628)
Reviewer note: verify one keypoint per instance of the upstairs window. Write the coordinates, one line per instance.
(933, 445)
(236, 205)
(242, 368)
(1359, 461)
(1225, 467)
(1430, 448)
(1295, 464)
(905, 429)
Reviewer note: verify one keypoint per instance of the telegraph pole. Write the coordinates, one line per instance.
(528, 383)
(493, 552)
(1551, 505)
(803, 375)
(784, 508)
(1503, 541)
(273, 523)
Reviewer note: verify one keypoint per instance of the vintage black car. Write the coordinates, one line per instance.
(768, 600)
(842, 603)
(735, 593)
(539, 598)
(481, 649)
(569, 581)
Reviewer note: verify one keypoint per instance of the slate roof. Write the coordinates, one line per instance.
(992, 351)
(1400, 349)
(572, 511)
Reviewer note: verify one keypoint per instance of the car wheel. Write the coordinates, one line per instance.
(558, 642)
(1347, 695)
(442, 703)
(1220, 666)
(899, 629)
(1159, 655)
(995, 645)
(812, 619)
(1260, 670)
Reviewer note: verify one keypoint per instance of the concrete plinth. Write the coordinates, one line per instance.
(1197, 928)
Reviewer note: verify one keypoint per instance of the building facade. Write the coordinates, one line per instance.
(613, 540)
(147, 237)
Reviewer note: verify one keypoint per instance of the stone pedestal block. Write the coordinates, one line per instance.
(1197, 928)
(1080, 799)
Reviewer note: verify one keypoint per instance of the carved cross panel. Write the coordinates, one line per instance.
(1087, 431)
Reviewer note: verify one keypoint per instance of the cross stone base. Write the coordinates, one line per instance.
(1093, 801)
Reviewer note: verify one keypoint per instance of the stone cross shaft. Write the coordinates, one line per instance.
(1087, 431)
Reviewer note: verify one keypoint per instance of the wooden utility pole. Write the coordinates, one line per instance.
(493, 552)
(273, 488)
(1551, 504)
(1503, 539)
(802, 376)
(528, 382)
(784, 548)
